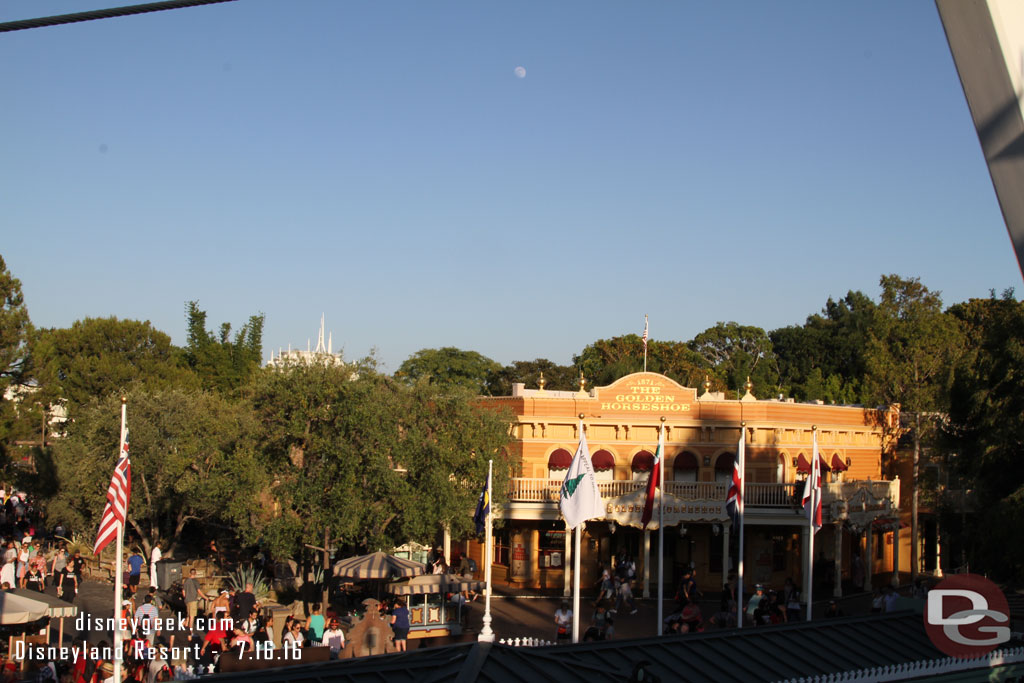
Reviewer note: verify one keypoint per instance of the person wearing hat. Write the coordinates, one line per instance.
(754, 601)
(334, 637)
(221, 604)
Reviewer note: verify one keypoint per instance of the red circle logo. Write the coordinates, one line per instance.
(966, 615)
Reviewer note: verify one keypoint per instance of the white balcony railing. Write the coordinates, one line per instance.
(758, 494)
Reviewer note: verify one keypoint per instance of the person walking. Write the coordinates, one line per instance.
(154, 557)
(400, 624)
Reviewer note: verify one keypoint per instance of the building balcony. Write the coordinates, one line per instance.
(849, 494)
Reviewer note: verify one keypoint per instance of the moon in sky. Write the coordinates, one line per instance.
(520, 72)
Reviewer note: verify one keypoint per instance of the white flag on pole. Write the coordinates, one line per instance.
(581, 499)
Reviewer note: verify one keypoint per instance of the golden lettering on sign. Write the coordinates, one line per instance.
(645, 395)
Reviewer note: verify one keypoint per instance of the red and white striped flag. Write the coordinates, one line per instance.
(644, 338)
(117, 500)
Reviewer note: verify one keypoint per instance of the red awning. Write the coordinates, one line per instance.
(837, 464)
(603, 460)
(804, 465)
(643, 461)
(560, 460)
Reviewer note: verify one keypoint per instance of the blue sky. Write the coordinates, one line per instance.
(382, 163)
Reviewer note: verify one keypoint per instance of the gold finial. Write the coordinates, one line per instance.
(124, 399)
(743, 424)
(581, 416)
(663, 418)
(814, 428)
(707, 383)
(583, 382)
(541, 381)
(749, 385)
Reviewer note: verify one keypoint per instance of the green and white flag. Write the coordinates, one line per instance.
(581, 500)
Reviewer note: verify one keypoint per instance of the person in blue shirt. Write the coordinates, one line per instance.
(135, 563)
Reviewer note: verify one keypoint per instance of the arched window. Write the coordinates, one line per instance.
(684, 468)
(724, 465)
(558, 462)
(643, 463)
(604, 465)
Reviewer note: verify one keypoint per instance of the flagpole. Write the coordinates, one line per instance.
(661, 523)
(810, 520)
(118, 562)
(576, 584)
(645, 349)
(486, 633)
(743, 502)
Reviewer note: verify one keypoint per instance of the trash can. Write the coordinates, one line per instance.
(168, 572)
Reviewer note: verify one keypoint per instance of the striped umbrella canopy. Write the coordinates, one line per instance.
(377, 565)
(434, 583)
(14, 609)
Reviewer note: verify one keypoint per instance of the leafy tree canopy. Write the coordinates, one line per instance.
(193, 459)
(824, 358)
(97, 357)
(222, 364)
(912, 345)
(15, 329)
(378, 461)
(736, 352)
(606, 360)
(556, 377)
(447, 367)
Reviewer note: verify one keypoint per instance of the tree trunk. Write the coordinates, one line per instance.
(913, 504)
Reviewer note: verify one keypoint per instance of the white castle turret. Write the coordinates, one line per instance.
(321, 355)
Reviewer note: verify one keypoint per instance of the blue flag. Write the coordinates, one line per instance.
(483, 508)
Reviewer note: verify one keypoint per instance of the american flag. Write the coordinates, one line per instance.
(644, 338)
(117, 500)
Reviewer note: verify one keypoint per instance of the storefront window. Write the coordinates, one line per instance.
(552, 548)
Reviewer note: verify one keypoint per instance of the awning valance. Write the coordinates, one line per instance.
(603, 460)
(559, 460)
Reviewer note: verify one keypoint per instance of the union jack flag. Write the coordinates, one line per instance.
(734, 498)
(117, 500)
(644, 338)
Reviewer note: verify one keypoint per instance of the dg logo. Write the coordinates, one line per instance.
(966, 615)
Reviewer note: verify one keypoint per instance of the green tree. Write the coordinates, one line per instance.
(193, 459)
(15, 329)
(556, 377)
(607, 360)
(97, 357)
(985, 428)
(447, 367)
(912, 349)
(380, 462)
(736, 352)
(222, 364)
(826, 351)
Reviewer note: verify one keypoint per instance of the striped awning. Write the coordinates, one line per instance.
(55, 607)
(377, 565)
(434, 583)
(15, 609)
